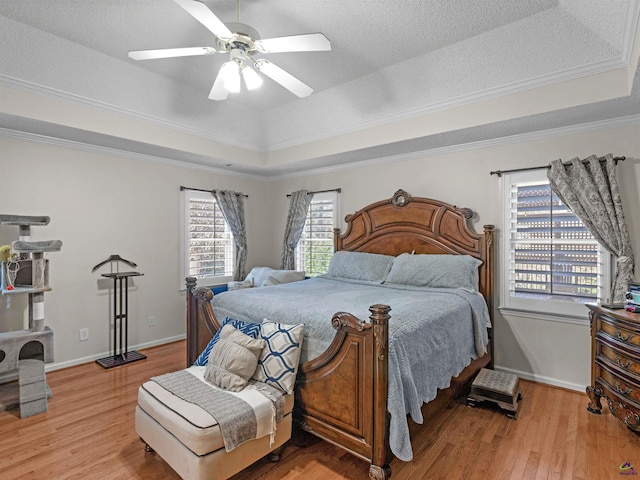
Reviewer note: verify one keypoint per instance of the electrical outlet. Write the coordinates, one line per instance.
(84, 334)
(151, 321)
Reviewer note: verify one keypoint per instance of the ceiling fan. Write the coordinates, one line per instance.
(242, 43)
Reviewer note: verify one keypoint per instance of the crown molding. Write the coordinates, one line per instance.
(578, 129)
(631, 27)
(59, 95)
(555, 78)
(91, 148)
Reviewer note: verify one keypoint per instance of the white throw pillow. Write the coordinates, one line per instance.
(260, 276)
(278, 277)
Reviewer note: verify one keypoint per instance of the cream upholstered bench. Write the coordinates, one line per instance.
(189, 439)
(186, 434)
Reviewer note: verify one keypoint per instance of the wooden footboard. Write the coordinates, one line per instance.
(341, 396)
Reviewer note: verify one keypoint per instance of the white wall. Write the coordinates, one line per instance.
(102, 204)
(549, 351)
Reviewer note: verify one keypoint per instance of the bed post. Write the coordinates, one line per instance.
(192, 321)
(489, 232)
(379, 469)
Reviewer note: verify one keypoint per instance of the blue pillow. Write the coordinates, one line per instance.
(251, 329)
(369, 267)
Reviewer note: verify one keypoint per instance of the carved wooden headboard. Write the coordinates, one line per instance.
(401, 224)
(405, 224)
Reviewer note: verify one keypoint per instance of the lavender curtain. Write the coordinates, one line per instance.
(232, 206)
(298, 207)
(590, 189)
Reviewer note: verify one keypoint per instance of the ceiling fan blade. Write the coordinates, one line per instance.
(311, 42)
(170, 52)
(284, 78)
(218, 91)
(201, 12)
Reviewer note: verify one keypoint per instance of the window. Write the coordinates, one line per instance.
(208, 248)
(315, 247)
(551, 262)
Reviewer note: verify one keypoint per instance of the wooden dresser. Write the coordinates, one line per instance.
(615, 367)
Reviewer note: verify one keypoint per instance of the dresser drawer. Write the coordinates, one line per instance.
(620, 406)
(619, 358)
(625, 387)
(625, 335)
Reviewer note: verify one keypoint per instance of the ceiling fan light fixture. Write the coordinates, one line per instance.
(231, 76)
(251, 79)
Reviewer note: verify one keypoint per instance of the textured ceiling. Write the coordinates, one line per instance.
(390, 61)
(367, 35)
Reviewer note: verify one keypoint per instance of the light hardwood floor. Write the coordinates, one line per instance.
(88, 433)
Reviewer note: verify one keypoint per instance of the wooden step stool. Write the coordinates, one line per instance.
(500, 388)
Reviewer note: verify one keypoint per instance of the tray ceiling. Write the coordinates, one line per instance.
(401, 77)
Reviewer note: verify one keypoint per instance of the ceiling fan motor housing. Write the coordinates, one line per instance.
(243, 38)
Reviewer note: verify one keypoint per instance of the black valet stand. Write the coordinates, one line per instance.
(121, 353)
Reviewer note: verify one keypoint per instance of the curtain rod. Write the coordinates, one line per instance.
(339, 190)
(205, 190)
(500, 172)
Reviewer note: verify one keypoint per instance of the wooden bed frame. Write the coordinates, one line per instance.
(356, 360)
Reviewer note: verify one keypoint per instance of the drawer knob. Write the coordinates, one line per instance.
(625, 337)
(625, 364)
(620, 389)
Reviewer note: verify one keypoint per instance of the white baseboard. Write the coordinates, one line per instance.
(92, 358)
(542, 379)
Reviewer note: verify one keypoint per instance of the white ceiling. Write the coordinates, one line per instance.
(402, 76)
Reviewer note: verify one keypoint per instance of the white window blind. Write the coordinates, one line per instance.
(316, 247)
(551, 257)
(208, 242)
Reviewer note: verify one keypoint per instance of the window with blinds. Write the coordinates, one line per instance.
(550, 254)
(315, 247)
(553, 253)
(209, 248)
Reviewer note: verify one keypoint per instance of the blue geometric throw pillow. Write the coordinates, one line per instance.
(251, 329)
(278, 363)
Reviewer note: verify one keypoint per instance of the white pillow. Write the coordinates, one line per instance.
(260, 276)
(239, 285)
(283, 276)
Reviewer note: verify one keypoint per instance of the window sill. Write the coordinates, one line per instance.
(547, 317)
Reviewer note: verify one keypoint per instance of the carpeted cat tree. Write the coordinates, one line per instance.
(27, 350)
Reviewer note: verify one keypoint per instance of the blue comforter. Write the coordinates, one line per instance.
(433, 333)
